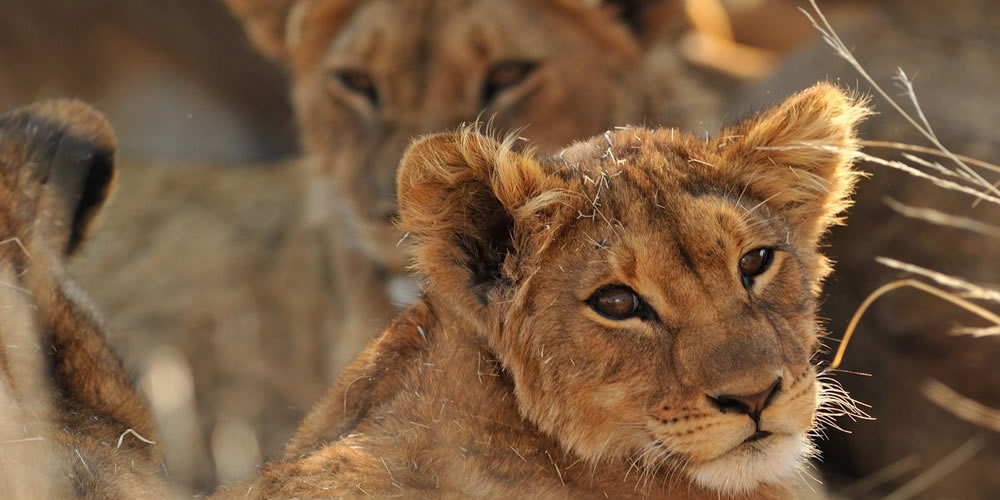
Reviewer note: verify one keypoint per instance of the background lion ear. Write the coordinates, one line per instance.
(648, 20)
(798, 155)
(66, 149)
(463, 199)
(266, 23)
(279, 27)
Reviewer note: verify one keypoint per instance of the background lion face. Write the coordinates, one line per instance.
(652, 295)
(364, 87)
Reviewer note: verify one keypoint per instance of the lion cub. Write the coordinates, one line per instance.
(71, 424)
(634, 316)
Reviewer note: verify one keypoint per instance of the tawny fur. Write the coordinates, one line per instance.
(70, 416)
(263, 278)
(502, 382)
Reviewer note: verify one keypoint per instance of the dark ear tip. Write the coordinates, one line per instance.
(77, 119)
(70, 148)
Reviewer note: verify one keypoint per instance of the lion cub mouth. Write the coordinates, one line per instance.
(757, 443)
(757, 436)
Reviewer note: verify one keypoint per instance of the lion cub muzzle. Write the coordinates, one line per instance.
(751, 405)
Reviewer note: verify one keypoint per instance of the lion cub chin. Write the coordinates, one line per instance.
(633, 316)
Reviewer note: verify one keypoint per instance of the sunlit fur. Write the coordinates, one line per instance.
(502, 382)
(68, 414)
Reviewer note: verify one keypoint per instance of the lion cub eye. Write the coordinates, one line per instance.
(357, 81)
(504, 75)
(618, 302)
(754, 263)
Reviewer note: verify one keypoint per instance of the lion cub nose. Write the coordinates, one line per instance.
(751, 404)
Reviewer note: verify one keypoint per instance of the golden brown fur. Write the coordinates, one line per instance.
(71, 420)
(255, 276)
(949, 49)
(502, 381)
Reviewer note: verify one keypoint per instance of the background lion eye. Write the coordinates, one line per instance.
(504, 75)
(754, 263)
(359, 82)
(616, 302)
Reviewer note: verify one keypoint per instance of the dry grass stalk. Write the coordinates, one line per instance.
(902, 146)
(940, 470)
(939, 182)
(909, 169)
(969, 290)
(961, 406)
(944, 219)
(964, 172)
(880, 477)
(976, 332)
(923, 126)
(968, 181)
(912, 283)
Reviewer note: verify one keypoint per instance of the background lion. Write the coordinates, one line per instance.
(641, 304)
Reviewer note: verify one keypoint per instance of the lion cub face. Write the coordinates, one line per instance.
(651, 294)
(369, 76)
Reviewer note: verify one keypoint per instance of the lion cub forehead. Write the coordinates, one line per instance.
(667, 156)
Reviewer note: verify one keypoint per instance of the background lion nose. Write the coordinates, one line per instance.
(752, 404)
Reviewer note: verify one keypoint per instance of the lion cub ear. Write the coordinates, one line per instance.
(798, 155)
(467, 203)
(65, 151)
